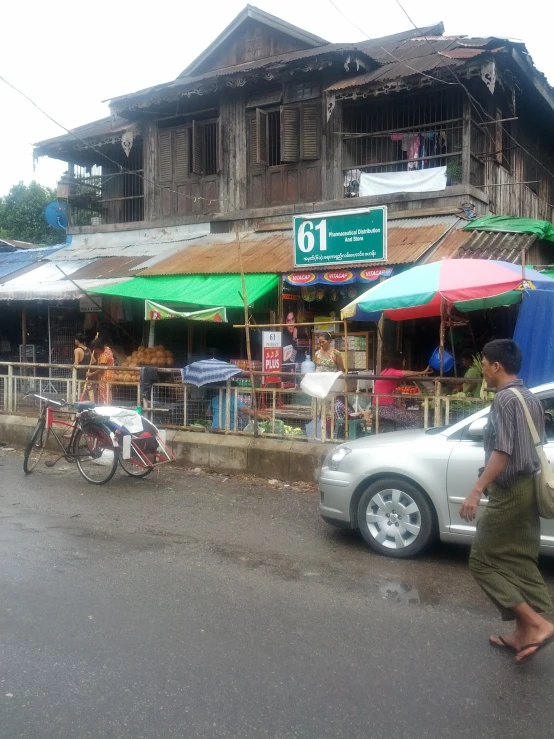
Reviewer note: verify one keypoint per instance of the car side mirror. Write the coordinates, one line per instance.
(476, 429)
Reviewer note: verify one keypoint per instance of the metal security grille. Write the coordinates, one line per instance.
(106, 194)
(398, 134)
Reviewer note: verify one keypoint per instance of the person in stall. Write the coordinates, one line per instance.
(391, 409)
(82, 357)
(242, 410)
(471, 389)
(104, 358)
(326, 358)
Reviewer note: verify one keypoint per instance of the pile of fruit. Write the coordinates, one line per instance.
(408, 390)
(153, 356)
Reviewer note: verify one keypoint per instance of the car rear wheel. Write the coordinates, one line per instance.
(395, 518)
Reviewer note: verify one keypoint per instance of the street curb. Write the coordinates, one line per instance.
(280, 459)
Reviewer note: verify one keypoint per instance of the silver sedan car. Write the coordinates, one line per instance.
(404, 488)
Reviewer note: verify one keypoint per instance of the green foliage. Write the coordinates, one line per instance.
(22, 215)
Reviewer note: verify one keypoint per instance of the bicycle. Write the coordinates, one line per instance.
(87, 441)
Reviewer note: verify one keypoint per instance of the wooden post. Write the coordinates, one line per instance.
(189, 341)
(523, 264)
(466, 143)
(346, 349)
(24, 338)
(247, 334)
(441, 338)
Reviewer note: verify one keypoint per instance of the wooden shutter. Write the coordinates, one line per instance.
(259, 138)
(310, 139)
(181, 165)
(290, 134)
(197, 132)
(165, 168)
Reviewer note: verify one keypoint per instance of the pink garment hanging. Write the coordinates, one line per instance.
(413, 151)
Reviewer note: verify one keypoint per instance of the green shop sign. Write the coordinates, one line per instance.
(342, 237)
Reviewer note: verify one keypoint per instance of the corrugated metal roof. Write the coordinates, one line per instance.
(408, 57)
(483, 245)
(107, 268)
(146, 242)
(12, 262)
(60, 290)
(408, 239)
(94, 129)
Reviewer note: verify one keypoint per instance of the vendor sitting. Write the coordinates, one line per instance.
(471, 389)
(391, 409)
(242, 408)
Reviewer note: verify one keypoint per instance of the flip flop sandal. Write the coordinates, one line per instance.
(503, 645)
(538, 645)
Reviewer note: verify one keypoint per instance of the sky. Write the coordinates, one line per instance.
(69, 56)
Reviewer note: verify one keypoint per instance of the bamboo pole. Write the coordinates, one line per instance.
(247, 333)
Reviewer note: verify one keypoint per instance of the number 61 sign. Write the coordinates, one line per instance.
(342, 237)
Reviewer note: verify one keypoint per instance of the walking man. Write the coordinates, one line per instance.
(505, 552)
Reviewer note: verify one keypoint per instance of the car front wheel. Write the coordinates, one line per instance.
(395, 518)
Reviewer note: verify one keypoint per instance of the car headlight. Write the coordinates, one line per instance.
(336, 456)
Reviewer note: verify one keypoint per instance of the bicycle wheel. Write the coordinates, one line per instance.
(133, 469)
(95, 454)
(35, 447)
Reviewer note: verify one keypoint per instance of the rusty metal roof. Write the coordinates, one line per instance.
(107, 268)
(408, 240)
(460, 244)
(413, 56)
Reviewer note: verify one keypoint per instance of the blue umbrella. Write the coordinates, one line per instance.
(208, 371)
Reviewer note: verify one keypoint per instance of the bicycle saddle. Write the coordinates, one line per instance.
(84, 405)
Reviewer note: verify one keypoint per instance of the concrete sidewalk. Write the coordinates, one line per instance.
(282, 459)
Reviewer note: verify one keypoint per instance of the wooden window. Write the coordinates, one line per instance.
(206, 148)
(260, 138)
(301, 91)
(192, 149)
(310, 134)
(291, 133)
(165, 157)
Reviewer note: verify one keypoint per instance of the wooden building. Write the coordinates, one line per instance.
(271, 120)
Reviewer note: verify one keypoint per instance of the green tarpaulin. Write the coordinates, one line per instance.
(208, 290)
(510, 224)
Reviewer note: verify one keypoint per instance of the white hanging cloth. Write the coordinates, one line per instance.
(416, 180)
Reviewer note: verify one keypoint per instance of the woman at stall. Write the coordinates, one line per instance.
(104, 358)
(81, 356)
(326, 358)
(390, 409)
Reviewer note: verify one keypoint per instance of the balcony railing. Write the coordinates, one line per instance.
(106, 198)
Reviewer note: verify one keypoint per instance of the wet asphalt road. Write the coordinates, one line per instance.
(199, 606)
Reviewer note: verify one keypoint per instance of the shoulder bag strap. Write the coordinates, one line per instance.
(532, 427)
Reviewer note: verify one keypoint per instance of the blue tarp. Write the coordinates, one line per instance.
(534, 334)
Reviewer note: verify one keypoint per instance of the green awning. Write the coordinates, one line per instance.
(209, 290)
(510, 224)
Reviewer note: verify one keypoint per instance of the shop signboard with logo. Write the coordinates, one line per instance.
(341, 237)
(272, 355)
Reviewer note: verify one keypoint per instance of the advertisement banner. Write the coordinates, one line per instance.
(272, 355)
(336, 277)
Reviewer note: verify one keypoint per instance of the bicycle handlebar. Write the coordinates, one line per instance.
(60, 404)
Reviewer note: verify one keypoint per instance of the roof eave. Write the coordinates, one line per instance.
(533, 76)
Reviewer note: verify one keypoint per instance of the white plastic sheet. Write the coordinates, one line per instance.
(320, 384)
(416, 180)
